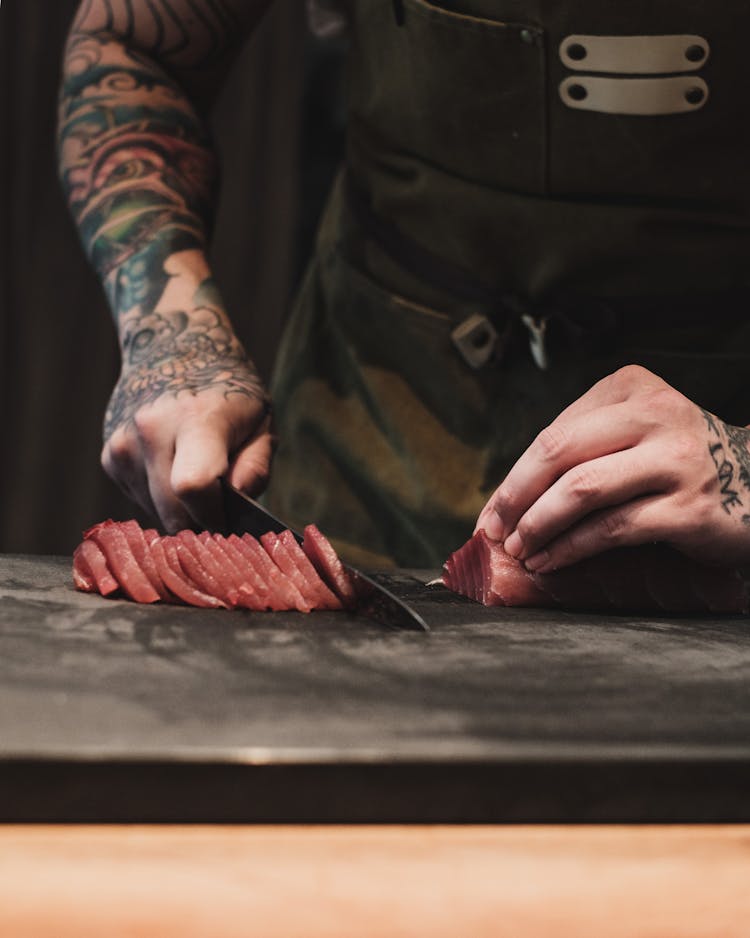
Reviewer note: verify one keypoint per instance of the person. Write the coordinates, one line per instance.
(526, 311)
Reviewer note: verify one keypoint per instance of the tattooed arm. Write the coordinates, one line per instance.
(139, 174)
(632, 461)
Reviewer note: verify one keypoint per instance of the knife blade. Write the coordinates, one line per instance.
(245, 515)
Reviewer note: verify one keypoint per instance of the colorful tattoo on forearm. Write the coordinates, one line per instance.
(160, 27)
(136, 165)
(138, 171)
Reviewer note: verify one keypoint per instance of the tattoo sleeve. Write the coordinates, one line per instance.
(139, 175)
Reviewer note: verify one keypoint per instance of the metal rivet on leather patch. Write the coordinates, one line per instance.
(695, 53)
(577, 92)
(694, 95)
(576, 51)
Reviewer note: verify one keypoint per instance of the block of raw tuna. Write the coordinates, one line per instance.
(650, 578)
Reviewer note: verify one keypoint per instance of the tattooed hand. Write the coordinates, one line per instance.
(188, 407)
(139, 173)
(631, 461)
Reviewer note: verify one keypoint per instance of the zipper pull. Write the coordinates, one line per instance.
(398, 12)
(537, 330)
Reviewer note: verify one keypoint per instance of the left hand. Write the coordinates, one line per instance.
(631, 461)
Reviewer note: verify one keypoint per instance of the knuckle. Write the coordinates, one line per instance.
(584, 484)
(107, 462)
(119, 450)
(683, 448)
(656, 404)
(613, 524)
(630, 376)
(502, 502)
(147, 422)
(552, 442)
(667, 402)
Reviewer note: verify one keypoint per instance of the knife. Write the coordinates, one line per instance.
(244, 515)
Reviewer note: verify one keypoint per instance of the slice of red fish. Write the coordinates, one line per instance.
(215, 547)
(282, 587)
(323, 557)
(200, 568)
(323, 597)
(125, 568)
(164, 552)
(90, 570)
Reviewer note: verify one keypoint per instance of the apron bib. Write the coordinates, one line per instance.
(479, 189)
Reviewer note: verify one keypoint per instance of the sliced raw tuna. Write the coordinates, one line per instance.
(139, 545)
(202, 570)
(323, 557)
(651, 578)
(246, 574)
(281, 586)
(90, 564)
(115, 546)
(207, 570)
(164, 552)
(247, 565)
(277, 551)
(247, 598)
(83, 578)
(323, 597)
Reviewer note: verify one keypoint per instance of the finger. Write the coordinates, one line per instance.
(201, 457)
(640, 521)
(156, 439)
(122, 460)
(565, 443)
(251, 466)
(588, 487)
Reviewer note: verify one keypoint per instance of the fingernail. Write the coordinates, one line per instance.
(513, 545)
(537, 561)
(493, 527)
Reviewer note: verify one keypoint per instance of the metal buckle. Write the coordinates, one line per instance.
(476, 340)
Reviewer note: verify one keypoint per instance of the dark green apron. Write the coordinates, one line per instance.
(472, 190)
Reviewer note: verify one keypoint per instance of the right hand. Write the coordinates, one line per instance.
(188, 408)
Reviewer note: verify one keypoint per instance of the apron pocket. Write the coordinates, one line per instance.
(463, 91)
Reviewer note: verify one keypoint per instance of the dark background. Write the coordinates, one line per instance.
(278, 134)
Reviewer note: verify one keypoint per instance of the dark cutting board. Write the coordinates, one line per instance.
(113, 711)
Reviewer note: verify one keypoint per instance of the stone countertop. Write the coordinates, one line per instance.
(114, 711)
